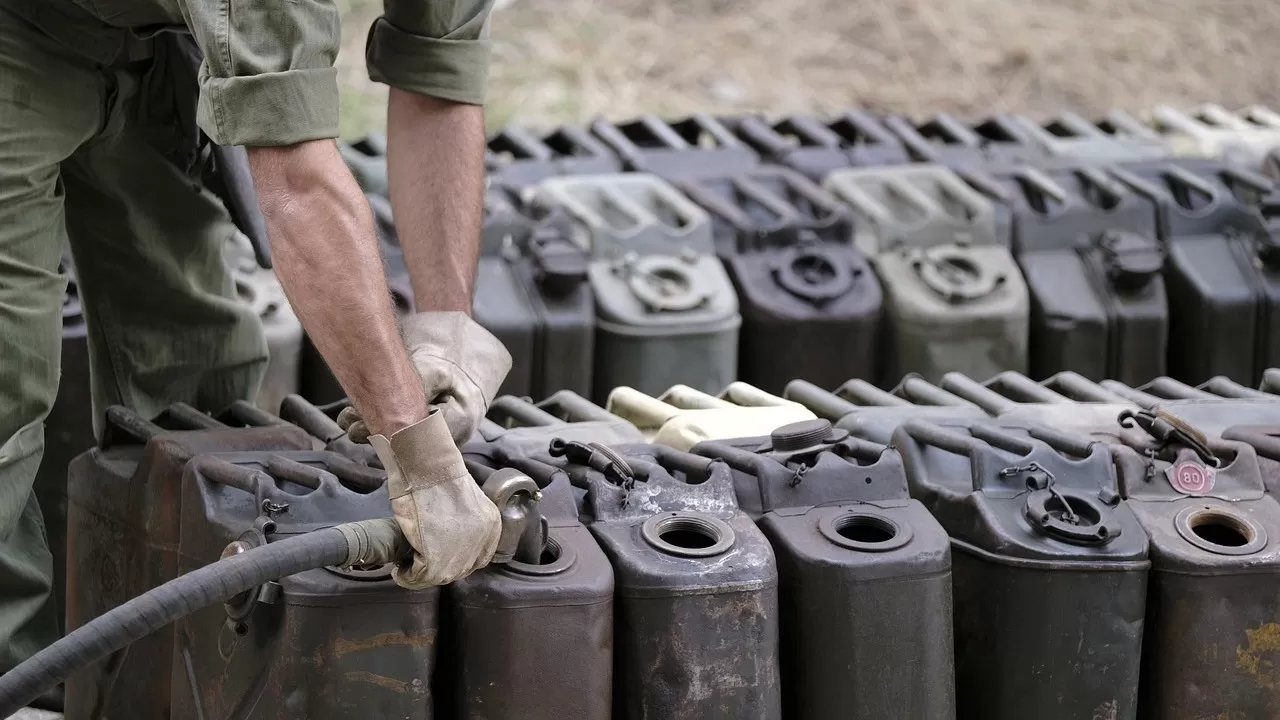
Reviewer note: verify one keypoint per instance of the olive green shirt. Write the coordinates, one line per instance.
(268, 76)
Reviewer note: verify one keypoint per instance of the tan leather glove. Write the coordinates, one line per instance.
(461, 366)
(452, 525)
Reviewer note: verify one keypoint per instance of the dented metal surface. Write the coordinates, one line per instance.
(696, 605)
(124, 521)
(864, 574)
(1049, 564)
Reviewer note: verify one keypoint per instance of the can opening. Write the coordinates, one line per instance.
(1221, 529)
(865, 529)
(688, 535)
(551, 553)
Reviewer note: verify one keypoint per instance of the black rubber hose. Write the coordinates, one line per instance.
(368, 542)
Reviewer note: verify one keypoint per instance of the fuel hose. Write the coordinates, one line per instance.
(366, 543)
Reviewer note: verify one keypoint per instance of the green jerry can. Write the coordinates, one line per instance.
(1215, 569)
(864, 588)
(955, 298)
(1088, 249)
(1222, 274)
(1049, 567)
(323, 644)
(695, 583)
(1116, 137)
(532, 638)
(666, 311)
(124, 524)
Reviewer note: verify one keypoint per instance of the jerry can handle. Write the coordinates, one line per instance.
(1131, 260)
(816, 274)
(954, 275)
(559, 265)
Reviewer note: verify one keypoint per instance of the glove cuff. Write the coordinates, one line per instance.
(455, 337)
(419, 456)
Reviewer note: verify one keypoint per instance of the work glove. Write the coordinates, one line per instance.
(452, 525)
(461, 366)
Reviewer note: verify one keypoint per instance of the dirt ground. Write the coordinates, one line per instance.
(568, 60)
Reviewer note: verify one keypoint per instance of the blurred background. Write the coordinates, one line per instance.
(567, 60)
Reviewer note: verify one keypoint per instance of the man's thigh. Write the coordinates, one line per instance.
(165, 322)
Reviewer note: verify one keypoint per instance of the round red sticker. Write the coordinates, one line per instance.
(1190, 477)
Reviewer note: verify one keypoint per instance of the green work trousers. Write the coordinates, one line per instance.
(83, 163)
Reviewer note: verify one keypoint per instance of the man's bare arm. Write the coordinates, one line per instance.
(435, 164)
(326, 255)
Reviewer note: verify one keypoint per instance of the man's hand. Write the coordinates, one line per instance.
(461, 366)
(453, 527)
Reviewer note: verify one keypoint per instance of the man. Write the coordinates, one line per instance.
(93, 152)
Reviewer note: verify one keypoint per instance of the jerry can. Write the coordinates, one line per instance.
(323, 644)
(810, 303)
(367, 160)
(696, 145)
(1214, 560)
(1242, 139)
(695, 584)
(816, 147)
(519, 422)
(1088, 248)
(864, 574)
(868, 412)
(1221, 294)
(259, 288)
(616, 215)
(68, 432)
(664, 319)
(1265, 441)
(683, 416)
(123, 532)
(954, 296)
(1049, 569)
(1117, 137)
(517, 156)
(533, 638)
(946, 140)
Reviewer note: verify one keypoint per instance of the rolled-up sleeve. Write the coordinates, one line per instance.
(268, 77)
(439, 48)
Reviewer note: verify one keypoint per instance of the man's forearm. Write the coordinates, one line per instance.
(326, 255)
(435, 164)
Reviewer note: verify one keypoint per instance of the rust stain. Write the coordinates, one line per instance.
(1108, 710)
(393, 684)
(1257, 660)
(343, 646)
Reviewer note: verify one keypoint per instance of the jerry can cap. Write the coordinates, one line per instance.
(799, 436)
(1131, 259)
(814, 273)
(954, 274)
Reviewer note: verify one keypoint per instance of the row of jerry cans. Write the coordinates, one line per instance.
(700, 145)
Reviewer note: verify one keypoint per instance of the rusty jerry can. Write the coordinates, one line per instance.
(864, 571)
(1222, 271)
(683, 417)
(810, 303)
(868, 412)
(1049, 567)
(695, 583)
(123, 532)
(666, 311)
(954, 296)
(1215, 570)
(323, 644)
(1088, 248)
(817, 146)
(943, 139)
(532, 638)
(695, 145)
(516, 156)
